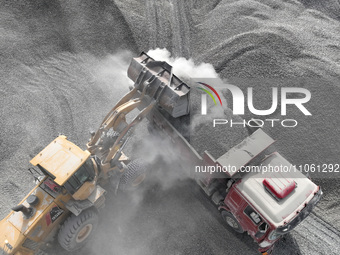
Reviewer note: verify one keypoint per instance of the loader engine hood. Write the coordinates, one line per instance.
(21, 232)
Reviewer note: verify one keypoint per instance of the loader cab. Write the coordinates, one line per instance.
(68, 166)
(84, 174)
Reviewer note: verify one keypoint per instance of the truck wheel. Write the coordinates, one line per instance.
(232, 221)
(134, 175)
(77, 230)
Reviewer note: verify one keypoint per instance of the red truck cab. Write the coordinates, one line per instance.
(263, 213)
(266, 195)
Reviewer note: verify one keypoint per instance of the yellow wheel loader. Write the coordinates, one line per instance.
(65, 202)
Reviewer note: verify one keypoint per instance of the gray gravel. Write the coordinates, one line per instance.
(61, 71)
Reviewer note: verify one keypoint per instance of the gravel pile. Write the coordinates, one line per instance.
(62, 69)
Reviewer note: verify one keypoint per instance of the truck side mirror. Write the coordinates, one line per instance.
(262, 230)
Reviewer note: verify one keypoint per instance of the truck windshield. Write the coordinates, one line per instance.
(83, 174)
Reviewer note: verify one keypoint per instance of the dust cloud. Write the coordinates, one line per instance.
(191, 72)
(182, 67)
(164, 174)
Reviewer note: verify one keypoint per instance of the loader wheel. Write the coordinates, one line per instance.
(232, 221)
(77, 230)
(134, 175)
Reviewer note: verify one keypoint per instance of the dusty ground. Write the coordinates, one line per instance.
(61, 71)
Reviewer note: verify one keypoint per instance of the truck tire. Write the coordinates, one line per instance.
(232, 221)
(78, 230)
(134, 175)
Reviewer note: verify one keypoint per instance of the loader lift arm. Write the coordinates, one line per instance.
(154, 85)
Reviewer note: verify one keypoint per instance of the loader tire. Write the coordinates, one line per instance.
(232, 221)
(78, 230)
(134, 175)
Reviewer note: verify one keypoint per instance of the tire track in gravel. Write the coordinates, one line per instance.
(181, 29)
(318, 236)
(54, 74)
(152, 21)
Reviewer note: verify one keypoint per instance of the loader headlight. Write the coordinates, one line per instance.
(8, 245)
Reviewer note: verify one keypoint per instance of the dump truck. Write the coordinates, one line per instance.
(71, 190)
(265, 204)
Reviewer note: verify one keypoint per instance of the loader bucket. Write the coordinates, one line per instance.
(162, 85)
